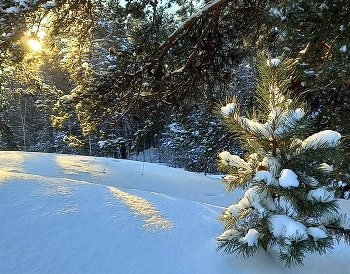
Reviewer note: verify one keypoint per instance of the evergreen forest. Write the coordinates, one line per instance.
(118, 78)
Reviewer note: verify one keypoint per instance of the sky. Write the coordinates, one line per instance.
(79, 214)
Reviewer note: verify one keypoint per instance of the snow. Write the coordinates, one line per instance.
(49, 4)
(255, 198)
(328, 138)
(283, 120)
(233, 160)
(12, 10)
(251, 238)
(273, 164)
(344, 222)
(343, 48)
(316, 233)
(277, 13)
(320, 194)
(256, 127)
(298, 113)
(79, 214)
(264, 175)
(22, 3)
(229, 108)
(235, 209)
(180, 70)
(326, 168)
(323, 6)
(274, 62)
(210, 6)
(288, 179)
(228, 235)
(283, 226)
(101, 144)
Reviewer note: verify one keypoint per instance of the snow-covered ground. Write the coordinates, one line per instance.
(78, 214)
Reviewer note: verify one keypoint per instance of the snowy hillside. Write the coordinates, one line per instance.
(77, 214)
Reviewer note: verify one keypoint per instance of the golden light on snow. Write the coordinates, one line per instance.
(9, 170)
(151, 216)
(34, 44)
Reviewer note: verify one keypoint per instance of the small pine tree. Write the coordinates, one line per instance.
(289, 201)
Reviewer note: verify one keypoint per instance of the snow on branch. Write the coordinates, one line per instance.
(229, 108)
(288, 178)
(256, 127)
(284, 226)
(213, 6)
(327, 138)
(233, 160)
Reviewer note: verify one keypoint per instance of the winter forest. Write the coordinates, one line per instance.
(257, 91)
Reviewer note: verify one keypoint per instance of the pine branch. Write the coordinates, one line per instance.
(287, 187)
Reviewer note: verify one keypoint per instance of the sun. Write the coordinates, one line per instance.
(34, 44)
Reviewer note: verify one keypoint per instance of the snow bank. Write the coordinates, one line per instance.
(79, 214)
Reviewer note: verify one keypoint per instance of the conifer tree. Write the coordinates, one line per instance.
(287, 174)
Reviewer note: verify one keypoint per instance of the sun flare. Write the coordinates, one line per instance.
(34, 44)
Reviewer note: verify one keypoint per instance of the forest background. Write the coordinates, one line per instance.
(115, 78)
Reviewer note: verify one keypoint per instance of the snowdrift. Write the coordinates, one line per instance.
(78, 214)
